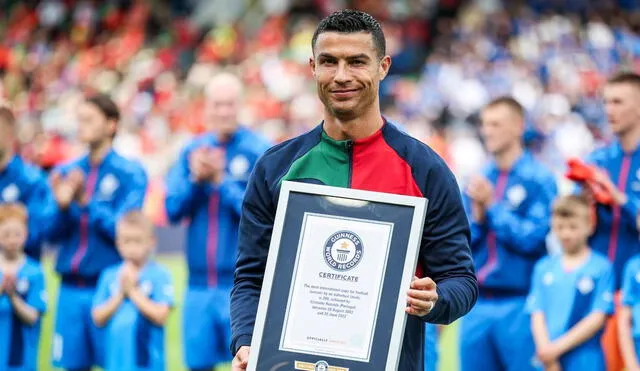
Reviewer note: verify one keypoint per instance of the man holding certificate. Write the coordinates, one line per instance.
(355, 147)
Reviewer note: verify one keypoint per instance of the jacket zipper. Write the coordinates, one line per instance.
(350, 156)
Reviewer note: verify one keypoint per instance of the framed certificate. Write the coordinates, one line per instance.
(334, 291)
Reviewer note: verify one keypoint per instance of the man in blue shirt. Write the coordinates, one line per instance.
(134, 300)
(206, 186)
(616, 234)
(91, 193)
(508, 207)
(22, 293)
(22, 182)
(571, 294)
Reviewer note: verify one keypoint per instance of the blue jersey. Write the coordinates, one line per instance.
(631, 292)
(512, 238)
(213, 210)
(616, 234)
(26, 184)
(132, 341)
(86, 235)
(566, 297)
(19, 341)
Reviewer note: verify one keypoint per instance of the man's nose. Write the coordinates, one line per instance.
(342, 74)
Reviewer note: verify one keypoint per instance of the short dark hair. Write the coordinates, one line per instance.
(509, 102)
(106, 105)
(351, 21)
(569, 206)
(625, 78)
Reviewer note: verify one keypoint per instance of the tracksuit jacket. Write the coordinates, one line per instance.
(387, 161)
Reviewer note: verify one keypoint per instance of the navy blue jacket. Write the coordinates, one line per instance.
(387, 161)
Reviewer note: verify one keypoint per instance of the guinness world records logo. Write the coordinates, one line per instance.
(343, 250)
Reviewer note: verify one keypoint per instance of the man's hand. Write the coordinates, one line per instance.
(602, 177)
(554, 366)
(217, 162)
(481, 191)
(549, 353)
(66, 189)
(207, 164)
(241, 360)
(478, 212)
(422, 296)
(63, 190)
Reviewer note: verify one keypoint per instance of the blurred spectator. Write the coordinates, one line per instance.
(552, 56)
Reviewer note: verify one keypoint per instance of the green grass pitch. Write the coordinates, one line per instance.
(448, 347)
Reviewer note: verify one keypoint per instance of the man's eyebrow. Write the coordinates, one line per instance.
(358, 56)
(350, 57)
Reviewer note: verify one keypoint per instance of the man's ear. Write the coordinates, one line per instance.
(385, 64)
(113, 126)
(312, 64)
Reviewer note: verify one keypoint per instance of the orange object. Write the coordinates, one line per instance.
(609, 341)
(583, 173)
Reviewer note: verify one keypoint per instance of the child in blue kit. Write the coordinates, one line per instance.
(572, 294)
(133, 300)
(22, 293)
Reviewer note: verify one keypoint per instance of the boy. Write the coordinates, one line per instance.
(628, 323)
(133, 300)
(22, 293)
(572, 293)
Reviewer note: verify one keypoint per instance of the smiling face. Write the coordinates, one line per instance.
(348, 72)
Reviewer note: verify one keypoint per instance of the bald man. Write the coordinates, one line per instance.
(206, 187)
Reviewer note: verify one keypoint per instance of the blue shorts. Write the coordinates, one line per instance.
(206, 327)
(77, 342)
(584, 358)
(496, 335)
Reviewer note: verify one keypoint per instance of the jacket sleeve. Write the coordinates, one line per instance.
(59, 223)
(40, 198)
(478, 230)
(232, 194)
(183, 193)
(232, 191)
(630, 211)
(445, 250)
(104, 217)
(524, 234)
(256, 224)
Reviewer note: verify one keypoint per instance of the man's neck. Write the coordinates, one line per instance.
(98, 151)
(6, 159)
(358, 128)
(630, 140)
(508, 157)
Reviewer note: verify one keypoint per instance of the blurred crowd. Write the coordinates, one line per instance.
(450, 57)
